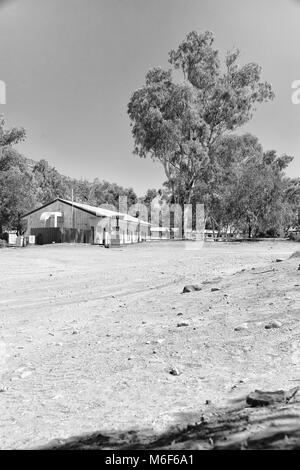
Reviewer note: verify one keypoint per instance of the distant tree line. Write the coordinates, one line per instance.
(26, 184)
(249, 190)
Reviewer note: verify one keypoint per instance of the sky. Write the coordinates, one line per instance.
(70, 67)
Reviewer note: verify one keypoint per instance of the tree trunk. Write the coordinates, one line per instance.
(226, 233)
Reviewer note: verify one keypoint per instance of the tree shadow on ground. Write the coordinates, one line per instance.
(239, 427)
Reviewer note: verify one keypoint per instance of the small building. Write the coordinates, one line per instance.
(63, 221)
(12, 237)
(294, 234)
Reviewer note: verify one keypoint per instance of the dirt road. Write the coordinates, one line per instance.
(88, 335)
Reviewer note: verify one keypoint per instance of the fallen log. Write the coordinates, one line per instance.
(266, 398)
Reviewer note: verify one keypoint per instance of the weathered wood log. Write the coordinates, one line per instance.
(266, 398)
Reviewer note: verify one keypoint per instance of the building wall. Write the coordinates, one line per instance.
(76, 225)
(128, 232)
(72, 218)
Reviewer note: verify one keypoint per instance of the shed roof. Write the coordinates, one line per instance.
(130, 218)
(98, 211)
(93, 210)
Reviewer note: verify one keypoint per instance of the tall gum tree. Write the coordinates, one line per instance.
(181, 123)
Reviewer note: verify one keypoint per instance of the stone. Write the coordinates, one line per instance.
(174, 371)
(214, 289)
(243, 326)
(273, 324)
(159, 341)
(182, 324)
(191, 288)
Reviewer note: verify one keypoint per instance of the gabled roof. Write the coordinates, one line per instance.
(97, 211)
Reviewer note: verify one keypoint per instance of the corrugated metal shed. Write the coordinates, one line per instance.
(82, 223)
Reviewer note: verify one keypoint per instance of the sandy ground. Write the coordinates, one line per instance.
(88, 335)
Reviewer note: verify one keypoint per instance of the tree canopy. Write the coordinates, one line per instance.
(180, 123)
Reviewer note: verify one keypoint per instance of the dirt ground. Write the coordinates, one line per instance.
(88, 337)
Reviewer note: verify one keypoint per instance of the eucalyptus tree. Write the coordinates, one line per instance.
(180, 122)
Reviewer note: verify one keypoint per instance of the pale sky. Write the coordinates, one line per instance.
(70, 67)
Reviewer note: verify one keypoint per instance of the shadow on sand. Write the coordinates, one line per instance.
(238, 427)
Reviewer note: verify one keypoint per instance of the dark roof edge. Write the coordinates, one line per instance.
(38, 208)
(61, 200)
